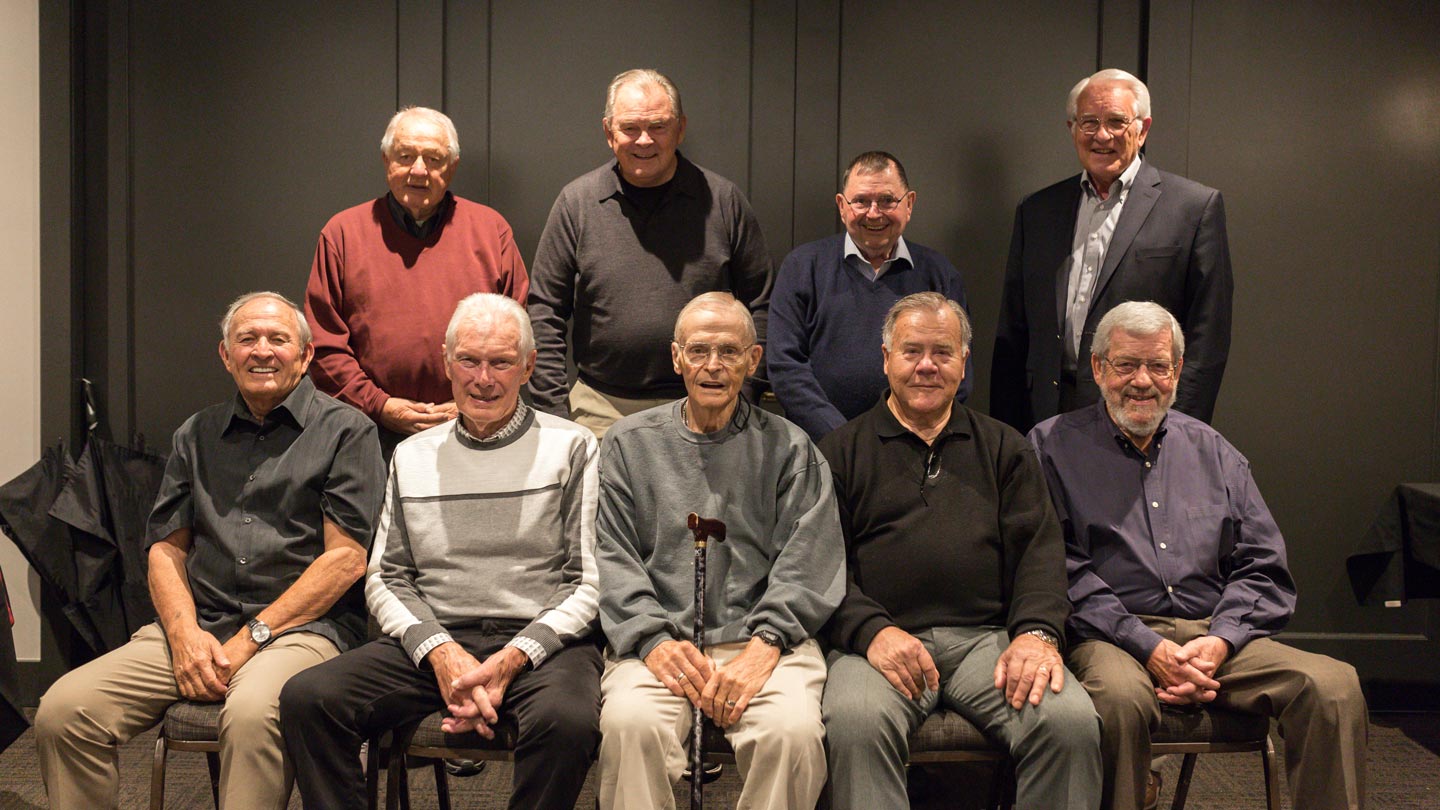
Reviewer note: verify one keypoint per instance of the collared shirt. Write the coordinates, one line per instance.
(956, 533)
(856, 259)
(1095, 221)
(255, 494)
(419, 230)
(1179, 531)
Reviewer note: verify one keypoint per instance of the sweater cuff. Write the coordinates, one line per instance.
(418, 640)
(538, 641)
(651, 643)
(867, 633)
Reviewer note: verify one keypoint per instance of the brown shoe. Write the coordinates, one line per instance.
(1152, 791)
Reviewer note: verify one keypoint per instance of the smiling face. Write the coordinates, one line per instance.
(486, 372)
(713, 385)
(1137, 402)
(875, 231)
(418, 168)
(1106, 155)
(644, 133)
(263, 354)
(925, 363)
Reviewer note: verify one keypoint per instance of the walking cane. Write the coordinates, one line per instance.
(705, 529)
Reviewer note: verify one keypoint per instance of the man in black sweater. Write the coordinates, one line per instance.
(956, 588)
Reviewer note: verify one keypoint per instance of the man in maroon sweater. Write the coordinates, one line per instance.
(389, 272)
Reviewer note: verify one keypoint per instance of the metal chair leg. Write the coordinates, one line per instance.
(1272, 775)
(1182, 785)
(442, 785)
(212, 761)
(157, 774)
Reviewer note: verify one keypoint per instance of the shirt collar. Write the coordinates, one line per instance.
(295, 407)
(687, 180)
(1123, 440)
(901, 252)
(888, 427)
(1118, 187)
(419, 230)
(519, 422)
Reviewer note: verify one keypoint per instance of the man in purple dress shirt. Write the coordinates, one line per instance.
(1178, 575)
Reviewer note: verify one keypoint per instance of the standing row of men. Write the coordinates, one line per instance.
(628, 244)
(505, 533)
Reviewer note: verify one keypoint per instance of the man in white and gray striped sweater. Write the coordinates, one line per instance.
(483, 581)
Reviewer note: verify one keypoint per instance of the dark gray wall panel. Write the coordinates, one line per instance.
(1329, 166)
(250, 124)
(972, 100)
(549, 69)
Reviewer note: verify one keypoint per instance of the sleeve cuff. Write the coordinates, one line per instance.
(651, 643)
(1140, 642)
(1234, 635)
(426, 644)
(531, 648)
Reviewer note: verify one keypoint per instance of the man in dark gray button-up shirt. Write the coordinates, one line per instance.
(1178, 575)
(257, 541)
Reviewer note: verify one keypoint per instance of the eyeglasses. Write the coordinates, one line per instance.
(885, 204)
(1126, 366)
(699, 353)
(1114, 124)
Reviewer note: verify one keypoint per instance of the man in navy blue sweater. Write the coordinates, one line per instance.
(831, 296)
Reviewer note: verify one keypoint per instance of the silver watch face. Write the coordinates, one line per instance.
(259, 631)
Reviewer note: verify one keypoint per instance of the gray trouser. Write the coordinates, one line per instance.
(1056, 745)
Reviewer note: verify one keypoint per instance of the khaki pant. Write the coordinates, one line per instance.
(778, 741)
(1317, 700)
(598, 411)
(89, 713)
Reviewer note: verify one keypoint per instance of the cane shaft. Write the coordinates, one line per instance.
(697, 725)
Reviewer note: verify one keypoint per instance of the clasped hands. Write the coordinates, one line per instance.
(473, 691)
(721, 692)
(1185, 675)
(203, 667)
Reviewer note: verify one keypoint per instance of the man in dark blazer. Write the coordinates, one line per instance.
(1120, 231)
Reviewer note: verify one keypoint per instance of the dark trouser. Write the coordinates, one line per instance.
(328, 713)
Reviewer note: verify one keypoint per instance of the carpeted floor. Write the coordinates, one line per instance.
(1404, 774)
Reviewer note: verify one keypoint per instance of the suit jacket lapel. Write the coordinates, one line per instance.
(1138, 205)
(1062, 243)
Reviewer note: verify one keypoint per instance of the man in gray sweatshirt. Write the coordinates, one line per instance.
(772, 583)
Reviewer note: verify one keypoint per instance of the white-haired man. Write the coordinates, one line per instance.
(256, 545)
(388, 273)
(625, 247)
(955, 594)
(1178, 575)
(1120, 231)
(774, 581)
(483, 582)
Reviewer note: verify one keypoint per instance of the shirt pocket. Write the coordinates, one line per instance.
(1209, 533)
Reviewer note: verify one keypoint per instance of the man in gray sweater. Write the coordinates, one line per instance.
(625, 247)
(772, 584)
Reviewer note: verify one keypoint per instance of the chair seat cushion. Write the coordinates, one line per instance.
(1210, 725)
(190, 721)
(429, 735)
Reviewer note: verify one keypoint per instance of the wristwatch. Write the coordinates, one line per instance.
(1045, 636)
(259, 631)
(772, 638)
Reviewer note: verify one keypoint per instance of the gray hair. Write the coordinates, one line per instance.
(484, 308)
(716, 301)
(302, 327)
(925, 302)
(1142, 93)
(1139, 318)
(642, 76)
(875, 162)
(439, 119)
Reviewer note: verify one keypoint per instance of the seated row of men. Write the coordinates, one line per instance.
(916, 558)
(628, 243)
